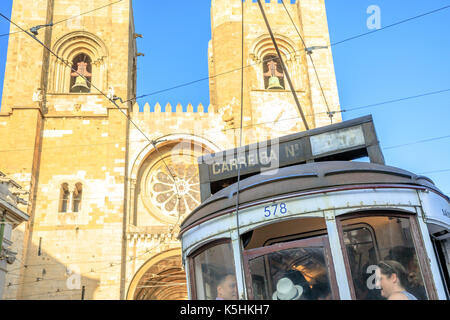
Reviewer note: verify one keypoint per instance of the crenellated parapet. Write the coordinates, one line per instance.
(272, 1)
(169, 109)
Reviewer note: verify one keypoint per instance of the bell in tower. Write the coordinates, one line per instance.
(82, 73)
(273, 74)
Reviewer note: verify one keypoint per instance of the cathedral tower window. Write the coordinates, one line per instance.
(268, 68)
(81, 75)
(76, 198)
(64, 198)
(83, 53)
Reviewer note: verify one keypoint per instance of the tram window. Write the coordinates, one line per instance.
(370, 240)
(214, 273)
(285, 231)
(295, 273)
(442, 248)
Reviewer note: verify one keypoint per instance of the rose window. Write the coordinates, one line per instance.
(173, 200)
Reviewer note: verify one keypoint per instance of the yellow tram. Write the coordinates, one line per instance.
(315, 225)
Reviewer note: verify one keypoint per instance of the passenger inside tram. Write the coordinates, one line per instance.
(406, 256)
(226, 287)
(322, 290)
(393, 280)
(370, 240)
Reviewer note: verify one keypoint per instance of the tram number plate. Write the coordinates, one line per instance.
(274, 209)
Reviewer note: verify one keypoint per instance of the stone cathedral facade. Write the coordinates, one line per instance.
(104, 208)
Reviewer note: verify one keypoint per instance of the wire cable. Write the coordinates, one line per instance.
(389, 26)
(43, 294)
(240, 145)
(111, 99)
(306, 49)
(64, 20)
(416, 142)
(330, 114)
(396, 100)
(285, 70)
(436, 171)
(209, 132)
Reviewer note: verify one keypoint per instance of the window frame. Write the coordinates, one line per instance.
(416, 236)
(78, 197)
(62, 200)
(88, 78)
(314, 242)
(264, 61)
(199, 251)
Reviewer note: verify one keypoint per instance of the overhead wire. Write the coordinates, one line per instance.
(417, 142)
(111, 265)
(309, 53)
(348, 109)
(111, 99)
(250, 65)
(240, 142)
(64, 20)
(43, 294)
(294, 51)
(245, 127)
(389, 26)
(134, 257)
(436, 171)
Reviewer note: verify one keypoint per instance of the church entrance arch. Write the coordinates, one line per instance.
(160, 278)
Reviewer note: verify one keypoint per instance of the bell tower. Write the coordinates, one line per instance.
(269, 106)
(69, 144)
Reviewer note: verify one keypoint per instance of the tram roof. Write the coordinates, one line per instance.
(317, 176)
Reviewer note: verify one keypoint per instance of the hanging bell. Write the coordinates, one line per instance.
(80, 85)
(274, 83)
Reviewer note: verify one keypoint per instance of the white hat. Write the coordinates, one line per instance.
(287, 291)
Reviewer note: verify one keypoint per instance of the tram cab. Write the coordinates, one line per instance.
(319, 226)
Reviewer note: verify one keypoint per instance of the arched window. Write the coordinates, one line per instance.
(81, 67)
(273, 73)
(83, 52)
(271, 77)
(64, 198)
(76, 199)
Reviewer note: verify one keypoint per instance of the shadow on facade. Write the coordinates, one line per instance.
(43, 277)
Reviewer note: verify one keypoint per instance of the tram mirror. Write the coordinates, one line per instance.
(345, 141)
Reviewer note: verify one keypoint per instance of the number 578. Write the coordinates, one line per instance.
(274, 209)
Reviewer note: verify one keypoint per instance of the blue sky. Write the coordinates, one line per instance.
(405, 60)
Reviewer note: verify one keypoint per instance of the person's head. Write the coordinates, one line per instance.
(226, 287)
(322, 291)
(391, 277)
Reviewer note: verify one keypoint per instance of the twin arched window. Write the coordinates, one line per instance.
(65, 198)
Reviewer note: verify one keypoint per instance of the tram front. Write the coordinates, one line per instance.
(320, 231)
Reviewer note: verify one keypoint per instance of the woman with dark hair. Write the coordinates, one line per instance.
(393, 279)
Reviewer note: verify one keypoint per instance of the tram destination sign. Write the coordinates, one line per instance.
(347, 140)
